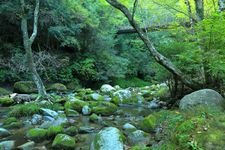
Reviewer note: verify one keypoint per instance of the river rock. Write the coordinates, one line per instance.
(27, 146)
(86, 129)
(128, 127)
(202, 97)
(108, 139)
(86, 110)
(4, 132)
(63, 141)
(49, 112)
(138, 137)
(36, 119)
(106, 88)
(7, 145)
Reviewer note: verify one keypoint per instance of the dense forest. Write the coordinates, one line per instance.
(112, 74)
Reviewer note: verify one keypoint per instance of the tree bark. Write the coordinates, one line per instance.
(162, 60)
(221, 4)
(27, 42)
(199, 7)
(187, 2)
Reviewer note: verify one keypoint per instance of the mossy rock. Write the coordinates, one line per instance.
(84, 92)
(103, 108)
(6, 101)
(75, 105)
(54, 130)
(23, 110)
(148, 124)
(12, 123)
(4, 92)
(63, 141)
(74, 85)
(94, 118)
(57, 87)
(36, 134)
(72, 130)
(25, 87)
(71, 113)
(95, 97)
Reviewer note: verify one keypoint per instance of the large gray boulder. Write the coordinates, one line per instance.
(202, 97)
(108, 139)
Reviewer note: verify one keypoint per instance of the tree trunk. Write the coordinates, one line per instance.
(199, 7)
(221, 4)
(162, 60)
(187, 2)
(27, 42)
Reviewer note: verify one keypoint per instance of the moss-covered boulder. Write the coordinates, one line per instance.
(25, 87)
(95, 97)
(76, 105)
(6, 101)
(4, 92)
(72, 130)
(12, 123)
(103, 108)
(36, 134)
(63, 141)
(94, 118)
(82, 93)
(54, 130)
(149, 123)
(57, 87)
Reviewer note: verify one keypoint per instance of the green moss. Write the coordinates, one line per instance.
(149, 123)
(72, 130)
(94, 118)
(4, 91)
(54, 130)
(6, 101)
(25, 87)
(12, 123)
(103, 108)
(76, 105)
(63, 141)
(140, 147)
(36, 134)
(22, 110)
(57, 87)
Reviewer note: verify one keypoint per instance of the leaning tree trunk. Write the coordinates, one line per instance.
(162, 60)
(27, 42)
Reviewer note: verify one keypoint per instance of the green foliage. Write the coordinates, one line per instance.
(22, 110)
(130, 82)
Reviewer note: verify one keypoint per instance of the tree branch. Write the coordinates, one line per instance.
(36, 11)
(134, 8)
(162, 60)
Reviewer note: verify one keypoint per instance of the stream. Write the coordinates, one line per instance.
(87, 129)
